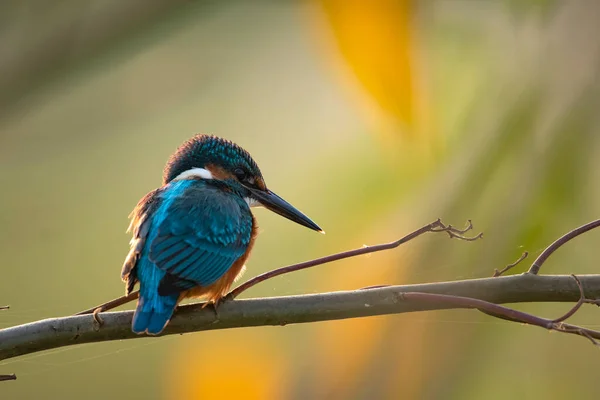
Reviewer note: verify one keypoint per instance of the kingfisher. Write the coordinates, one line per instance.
(193, 235)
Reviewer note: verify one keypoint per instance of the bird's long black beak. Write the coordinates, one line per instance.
(279, 206)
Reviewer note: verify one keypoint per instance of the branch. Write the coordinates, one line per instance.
(510, 266)
(537, 264)
(109, 305)
(474, 293)
(435, 226)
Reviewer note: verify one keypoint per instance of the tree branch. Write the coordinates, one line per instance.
(537, 264)
(510, 266)
(435, 227)
(474, 293)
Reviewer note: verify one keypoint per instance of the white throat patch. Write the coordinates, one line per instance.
(194, 173)
(252, 202)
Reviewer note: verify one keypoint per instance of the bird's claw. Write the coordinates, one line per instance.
(215, 304)
(98, 322)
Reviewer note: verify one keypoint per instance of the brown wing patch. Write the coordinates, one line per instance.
(139, 227)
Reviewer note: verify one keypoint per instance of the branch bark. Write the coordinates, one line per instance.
(66, 331)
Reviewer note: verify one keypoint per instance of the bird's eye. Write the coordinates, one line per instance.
(240, 174)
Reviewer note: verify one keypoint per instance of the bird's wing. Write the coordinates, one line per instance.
(139, 228)
(205, 232)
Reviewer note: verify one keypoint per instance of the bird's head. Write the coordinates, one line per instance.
(210, 157)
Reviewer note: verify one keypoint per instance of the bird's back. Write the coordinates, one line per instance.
(189, 237)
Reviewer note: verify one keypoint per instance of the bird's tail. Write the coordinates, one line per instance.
(153, 312)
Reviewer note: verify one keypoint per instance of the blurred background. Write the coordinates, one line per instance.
(374, 118)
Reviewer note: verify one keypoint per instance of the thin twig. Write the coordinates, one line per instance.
(4, 307)
(577, 305)
(436, 226)
(577, 330)
(458, 233)
(119, 301)
(510, 266)
(537, 264)
(510, 314)
(584, 333)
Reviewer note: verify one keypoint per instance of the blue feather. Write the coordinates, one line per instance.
(153, 320)
(176, 259)
(154, 311)
(215, 224)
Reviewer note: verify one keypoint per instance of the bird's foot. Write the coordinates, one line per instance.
(98, 322)
(214, 305)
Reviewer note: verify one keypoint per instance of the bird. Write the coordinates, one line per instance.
(191, 237)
